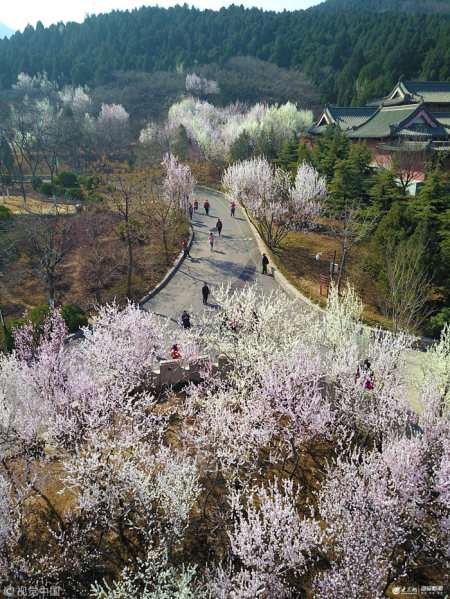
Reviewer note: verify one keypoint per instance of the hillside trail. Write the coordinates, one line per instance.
(235, 260)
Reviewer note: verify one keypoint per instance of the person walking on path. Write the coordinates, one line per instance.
(185, 248)
(186, 320)
(232, 209)
(191, 210)
(265, 262)
(219, 225)
(205, 292)
(195, 206)
(206, 207)
(211, 240)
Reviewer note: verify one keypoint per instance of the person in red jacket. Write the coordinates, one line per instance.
(175, 353)
(195, 205)
(206, 207)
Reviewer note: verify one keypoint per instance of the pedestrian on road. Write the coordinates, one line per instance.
(206, 207)
(195, 206)
(190, 210)
(219, 225)
(186, 320)
(185, 248)
(175, 352)
(211, 240)
(265, 262)
(205, 292)
(232, 209)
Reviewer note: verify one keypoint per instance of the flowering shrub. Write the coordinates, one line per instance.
(278, 476)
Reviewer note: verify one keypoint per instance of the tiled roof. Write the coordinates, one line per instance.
(385, 122)
(444, 119)
(389, 121)
(350, 117)
(429, 91)
(394, 102)
(381, 123)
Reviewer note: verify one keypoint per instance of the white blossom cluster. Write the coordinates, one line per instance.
(267, 194)
(280, 474)
(213, 129)
(201, 85)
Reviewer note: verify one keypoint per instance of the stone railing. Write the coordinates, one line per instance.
(175, 372)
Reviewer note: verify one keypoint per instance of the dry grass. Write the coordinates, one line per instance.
(297, 261)
(42, 206)
(21, 288)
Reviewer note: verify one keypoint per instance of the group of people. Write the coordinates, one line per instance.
(193, 207)
(219, 225)
(364, 375)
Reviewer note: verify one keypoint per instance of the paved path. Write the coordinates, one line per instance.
(235, 259)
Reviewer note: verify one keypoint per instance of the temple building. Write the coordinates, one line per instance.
(413, 121)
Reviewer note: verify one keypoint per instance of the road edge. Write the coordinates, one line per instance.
(178, 262)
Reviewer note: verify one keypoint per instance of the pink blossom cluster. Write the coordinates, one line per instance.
(279, 475)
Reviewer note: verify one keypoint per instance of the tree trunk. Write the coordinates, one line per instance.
(341, 270)
(51, 289)
(166, 249)
(22, 187)
(130, 266)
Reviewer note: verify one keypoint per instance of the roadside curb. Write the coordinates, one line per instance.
(277, 275)
(178, 262)
(420, 343)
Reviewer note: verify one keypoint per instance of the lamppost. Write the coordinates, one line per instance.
(332, 264)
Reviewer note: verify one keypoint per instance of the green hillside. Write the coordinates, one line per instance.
(408, 6)
(351, 56)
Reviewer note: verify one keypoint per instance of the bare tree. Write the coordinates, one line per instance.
(408, 160)
(124, 193)
(407, 285)
(101, 265)
(46, 240)
(349, 226)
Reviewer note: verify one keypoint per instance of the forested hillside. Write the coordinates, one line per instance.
(351, 56)
(409, 6)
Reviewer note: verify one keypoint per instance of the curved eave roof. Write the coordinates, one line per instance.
(350, 117)
(389, 121)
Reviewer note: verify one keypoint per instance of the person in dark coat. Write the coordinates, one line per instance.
(219, 226)
(265, 262)
(206, 207)
(205, 293)
(186, 320)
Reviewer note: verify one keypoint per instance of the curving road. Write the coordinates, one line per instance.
(235, 259)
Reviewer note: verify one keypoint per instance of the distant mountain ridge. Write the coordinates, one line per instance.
(5, 31)
(407, 6)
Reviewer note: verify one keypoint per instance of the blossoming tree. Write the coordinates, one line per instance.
(277, 206)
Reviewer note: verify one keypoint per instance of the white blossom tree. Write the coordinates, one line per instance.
(276, 476)
(201, 85)
(112, 130)
(268, 196)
